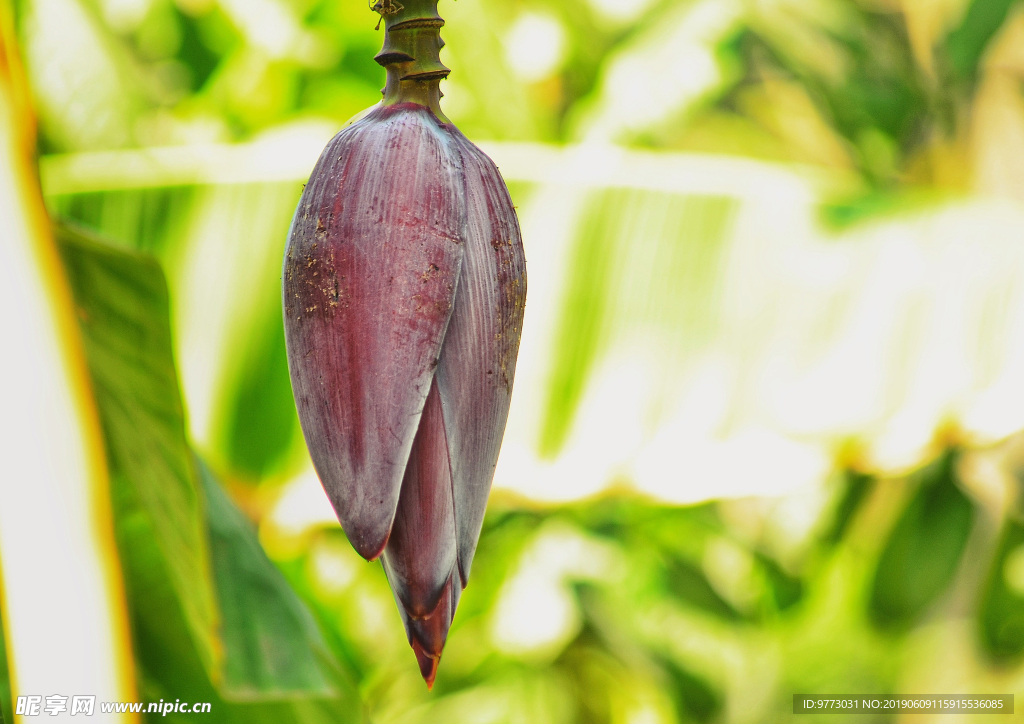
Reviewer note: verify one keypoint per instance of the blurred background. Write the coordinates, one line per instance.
(766, 435)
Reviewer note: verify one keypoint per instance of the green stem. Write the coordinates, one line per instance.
(411, 53)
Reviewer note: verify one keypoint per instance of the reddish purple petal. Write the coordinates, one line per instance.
(370, 272)
(420, 555)
(478, 359)
(427, 635)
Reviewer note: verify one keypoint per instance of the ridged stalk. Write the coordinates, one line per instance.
(411, 54)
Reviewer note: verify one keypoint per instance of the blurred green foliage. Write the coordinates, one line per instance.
(122, 305)
(684, 241)
(924, 548)
(1002, 616)
(181, 539)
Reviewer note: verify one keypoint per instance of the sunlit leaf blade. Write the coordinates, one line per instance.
(1001, 610)
(272, 645)
(923, 549)
(146, 219)
(581, 330)
(641, 260)
(166, 653)
(122, 306)
(225, 276)
(168, 661)
(262, 424)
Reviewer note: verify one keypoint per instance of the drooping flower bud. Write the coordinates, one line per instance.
(404, 290)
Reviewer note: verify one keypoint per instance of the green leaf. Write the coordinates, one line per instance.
(966, 43)
(173, 552)
(924, 549)
(122, 304)
(605, 631)
(641, 259)
(858, 68)
(785, 590)
(581, 330)
(855, 487)
(1001, 613)
(689, 584)
(169, 666)
(146, 220)
(273, 646)
(694, 698)
(842, 213)
(263, 421)
(168, 661)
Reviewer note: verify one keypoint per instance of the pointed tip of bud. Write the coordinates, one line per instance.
(371, 551)
(428, 663)
(427, 635)
(368, 541)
